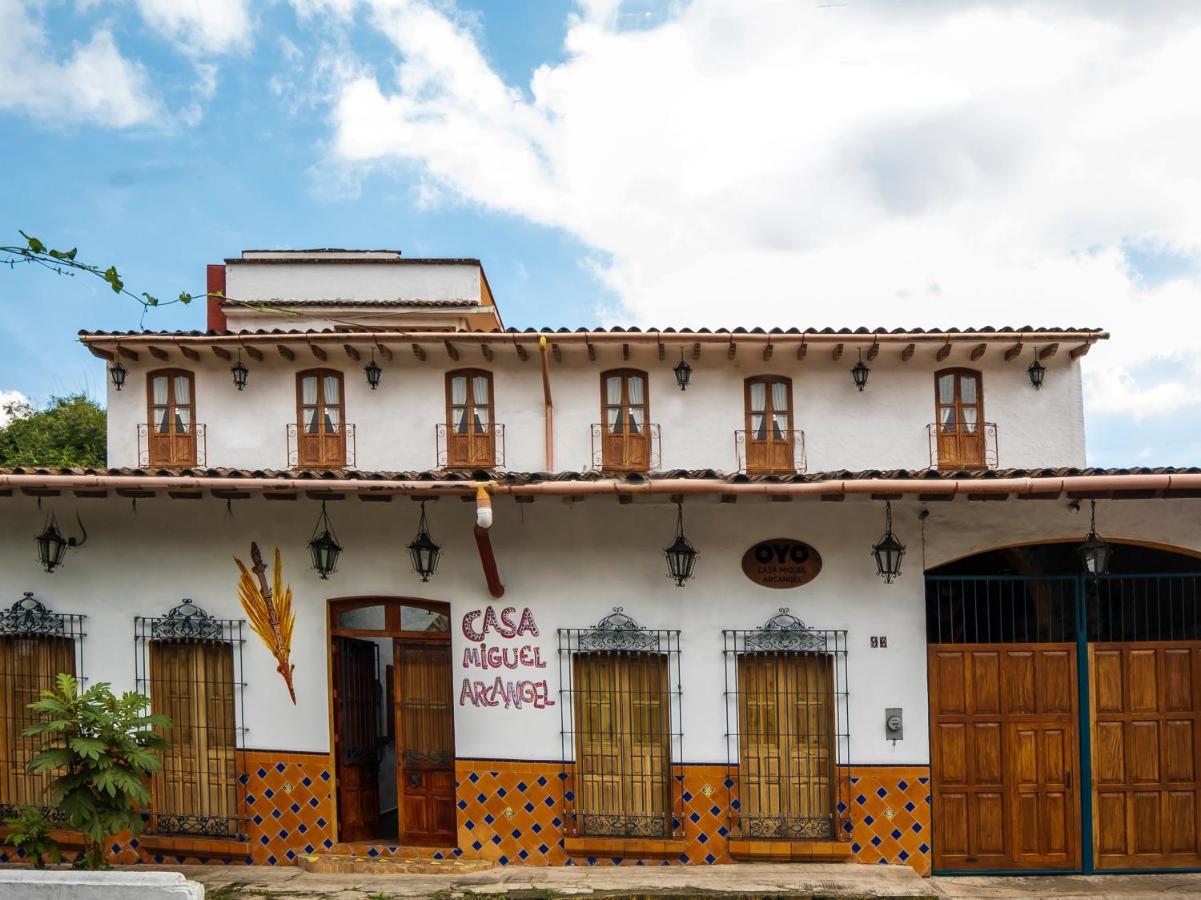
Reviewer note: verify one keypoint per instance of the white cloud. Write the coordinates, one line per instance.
(7, 399)
(92, 82)
(777, 162)
(201, 27)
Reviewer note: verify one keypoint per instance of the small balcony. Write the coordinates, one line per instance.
(625, 447)
(770, 452)
(957, 445)
(476, 446)
(326, 446)
(184, 445)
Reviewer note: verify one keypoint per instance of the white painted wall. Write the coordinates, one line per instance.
(570, 563)
(251, 281)
(883, 427)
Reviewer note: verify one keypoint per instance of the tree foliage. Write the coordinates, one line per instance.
(70, 431)
(101, 750)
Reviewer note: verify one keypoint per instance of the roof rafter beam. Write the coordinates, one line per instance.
(222, 352)
(486, 351)
(732, 349)
(1048, 351)
(943, 352)
(907, 353)
(419, 352)
(318, 352)
(254, 353)
(284, 351)
(1013, 352)
(802, 350)
(556, 352)
(873, 351)
(127, 353)
(1077, 352)
(837, 355)
(768, 349)
(352, 352)
(451, 350)
(158, 352)
(696, 351)
(978, 351)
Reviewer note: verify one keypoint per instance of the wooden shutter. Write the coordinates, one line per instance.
(28, 667)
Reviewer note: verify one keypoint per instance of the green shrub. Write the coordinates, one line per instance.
(29, 832)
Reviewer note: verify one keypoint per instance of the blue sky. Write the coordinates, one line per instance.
(649, 162)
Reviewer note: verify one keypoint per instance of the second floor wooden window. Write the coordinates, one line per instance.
(960, 419)
(171, 438)
(321, 424)
(770, 447)
(625, 425)
(470, 436)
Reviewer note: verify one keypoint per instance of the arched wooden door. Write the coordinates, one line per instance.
(625, 415)
(321, 421)
(960, 419)
(171, 439)
(769, 432)
(470, 441)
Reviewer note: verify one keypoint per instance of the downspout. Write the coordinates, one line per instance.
(483, 541)
(550, 406)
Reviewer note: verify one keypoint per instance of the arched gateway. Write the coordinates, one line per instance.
(1065, 710)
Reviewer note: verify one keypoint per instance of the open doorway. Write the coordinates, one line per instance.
(393, 721)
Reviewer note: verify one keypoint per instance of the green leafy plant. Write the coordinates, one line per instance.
(70, 431)
(29, 832)
(101, 750)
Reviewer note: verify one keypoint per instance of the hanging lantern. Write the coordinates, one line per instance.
(681, 555)
(683, 372)
(117, 373)
(373, 372)
(859, 372)
(1094, 552)
(240, 372)
(53, 546)
(888, 551)
(324, 547)
(1036, 371)
(424, 552)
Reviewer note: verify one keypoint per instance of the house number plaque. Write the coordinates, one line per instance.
(781, 563)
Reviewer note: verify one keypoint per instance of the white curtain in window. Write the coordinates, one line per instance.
(331, 390)
(779, 405)
(969, 419)
(160, 390)
(613, 404)
(458, 404)
(758, 405)
(308, 390)
(967, 390)
(946, 416)
(183, 404)
(946, 388)
(636, 388)
(479, 397)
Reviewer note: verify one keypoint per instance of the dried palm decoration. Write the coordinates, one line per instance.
(270, 610)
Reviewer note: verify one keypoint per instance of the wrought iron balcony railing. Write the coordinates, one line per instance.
(185, 446)
(330, 447)
(770, 453)
(626, 447)
(963, 445)
(477, 447)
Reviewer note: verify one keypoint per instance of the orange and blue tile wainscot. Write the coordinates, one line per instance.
(512, 812)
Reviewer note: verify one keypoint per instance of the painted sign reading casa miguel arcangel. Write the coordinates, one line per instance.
(781, 563)
(490, 634)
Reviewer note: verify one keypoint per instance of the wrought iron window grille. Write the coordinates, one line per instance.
(36, 645)
(190, 665)
(787, 737)
(620, 712)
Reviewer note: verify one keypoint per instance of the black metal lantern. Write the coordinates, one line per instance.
(240, 372)
(683, 372)
(888, 551)
(681, 555)
(373, 372)
(859, 372)
(424, 552)
(117, 373)
(324, 546)
(53, 546)
(1036, 371)
(1095, 554)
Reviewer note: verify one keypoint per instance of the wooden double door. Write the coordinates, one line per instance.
(394, 738)
(1009, 773)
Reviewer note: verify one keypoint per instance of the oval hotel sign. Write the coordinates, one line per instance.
(781, 563)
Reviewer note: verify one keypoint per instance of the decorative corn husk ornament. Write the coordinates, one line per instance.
(270, 610)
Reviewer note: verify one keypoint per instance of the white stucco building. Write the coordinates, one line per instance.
(549, 695)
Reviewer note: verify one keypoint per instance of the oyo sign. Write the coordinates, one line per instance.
(781, 563)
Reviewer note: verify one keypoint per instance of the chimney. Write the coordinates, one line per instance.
(216, 285)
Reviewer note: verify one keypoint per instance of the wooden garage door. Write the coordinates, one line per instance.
(1144, 699)
(1004, 754)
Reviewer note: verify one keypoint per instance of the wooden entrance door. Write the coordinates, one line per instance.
(357, 738)
(426, 745)
(625, 428)
(769, 434)
(1004, 756)
(321, 421)
(1145, 700)
(469, 409)
(960, 412)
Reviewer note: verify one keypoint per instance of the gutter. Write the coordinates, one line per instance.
(483, 541)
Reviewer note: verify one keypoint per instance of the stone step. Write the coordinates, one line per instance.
(364, 864)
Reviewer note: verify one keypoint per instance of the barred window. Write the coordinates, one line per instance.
(190, 665)
(621, 719)
(786, 686)
(36, 646)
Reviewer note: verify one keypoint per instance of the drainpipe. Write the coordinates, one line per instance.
(550, 406)
(483, 541)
